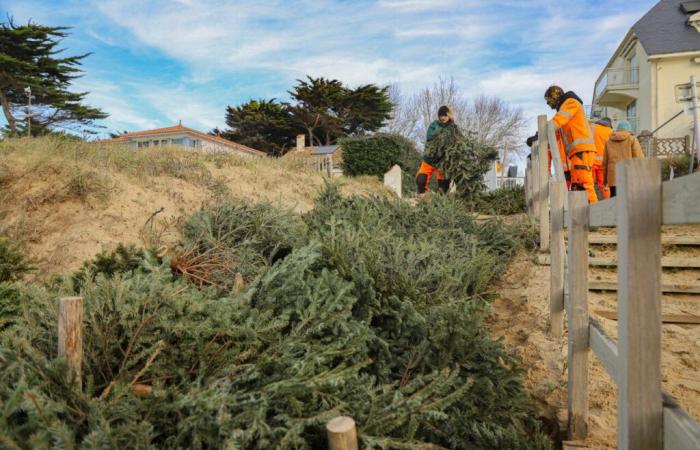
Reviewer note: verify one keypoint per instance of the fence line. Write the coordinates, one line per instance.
(318, 163)
(648, 418)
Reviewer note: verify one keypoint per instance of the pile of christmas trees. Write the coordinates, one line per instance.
(463, 160)
(364, 307)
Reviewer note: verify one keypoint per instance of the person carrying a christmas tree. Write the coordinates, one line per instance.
(431, 156)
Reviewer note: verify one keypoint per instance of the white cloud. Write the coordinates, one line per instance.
(510, 48)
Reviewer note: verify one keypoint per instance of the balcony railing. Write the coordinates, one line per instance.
(617, 77)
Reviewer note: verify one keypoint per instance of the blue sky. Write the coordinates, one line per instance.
(156, 62)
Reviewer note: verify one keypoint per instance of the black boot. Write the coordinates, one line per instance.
(444, 186)
(421, 181)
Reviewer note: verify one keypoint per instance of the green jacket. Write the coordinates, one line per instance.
(433, 129)
(433, 155)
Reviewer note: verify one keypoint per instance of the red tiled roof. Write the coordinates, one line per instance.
(179, 129)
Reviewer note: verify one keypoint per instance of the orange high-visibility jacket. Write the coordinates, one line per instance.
(601, 134)
(576, 133)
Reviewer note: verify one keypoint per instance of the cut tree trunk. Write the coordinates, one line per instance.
(11, 121)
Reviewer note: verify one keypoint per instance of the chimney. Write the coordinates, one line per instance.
(301, 142)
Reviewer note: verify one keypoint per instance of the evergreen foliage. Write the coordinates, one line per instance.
(375, 154)
(324, 110)
(122, 260)
(328, 110)
(503, 201)
(462, 159)
(266, 125)
(29, 58)
(374, 310)
(13, 264)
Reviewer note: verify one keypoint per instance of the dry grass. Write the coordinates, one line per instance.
(68, 200)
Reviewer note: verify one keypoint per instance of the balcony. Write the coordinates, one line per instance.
(617, 86)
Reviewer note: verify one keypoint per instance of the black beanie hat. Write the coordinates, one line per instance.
(443, 111)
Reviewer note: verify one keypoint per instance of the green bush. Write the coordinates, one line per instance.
(13, 264)
(680, 163)
(503, 201)
(375, 311)
(375, 154)
(124, 259)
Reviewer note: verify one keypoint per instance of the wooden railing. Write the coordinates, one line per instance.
(647, 417)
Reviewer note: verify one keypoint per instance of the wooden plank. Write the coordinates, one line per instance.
(639, 411)
(678, 319)
(544, 182)
(528, 188)
(667, 261)
(681, 432)
(605, 348)
(577, 313)
(554, 149)
(557, 192)
(665, 288)
(535, 172)
(602, 214)
(70, 337)
(611, 239)
(681, 202)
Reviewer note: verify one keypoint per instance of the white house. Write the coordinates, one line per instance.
(649, 69)
(180, 135)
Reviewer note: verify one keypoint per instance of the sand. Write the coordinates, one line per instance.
(521, 314)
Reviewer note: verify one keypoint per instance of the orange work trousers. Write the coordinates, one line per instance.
(598, 178)
(582, 174)
(427, 171)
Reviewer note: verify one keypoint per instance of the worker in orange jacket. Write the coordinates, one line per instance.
(577, 136)
(602, 130)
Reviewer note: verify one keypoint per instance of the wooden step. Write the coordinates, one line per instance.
(665, 288)
(679, 319)
(666, 261)
(665, 240)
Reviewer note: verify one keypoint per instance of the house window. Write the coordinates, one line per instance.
(163, 142)
(632, 110)
(633, 68)
(155, 143)
(143, 144)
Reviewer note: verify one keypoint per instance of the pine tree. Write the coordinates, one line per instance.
(28, 59)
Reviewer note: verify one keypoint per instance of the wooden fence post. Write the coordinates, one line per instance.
(640, 411)
(70, 336)
(535, 173)
(528, 187)
(557, 249)
(577, 314)
(342, 434)
(543, 170)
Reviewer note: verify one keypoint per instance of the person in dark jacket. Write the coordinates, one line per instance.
(429, 163)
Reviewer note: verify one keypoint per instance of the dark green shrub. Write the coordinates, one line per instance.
(503, 201)
(680, 164)
(122, 260)
(13, 264)
(375, 154)
(375, 311)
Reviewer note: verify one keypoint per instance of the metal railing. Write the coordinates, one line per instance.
(617, 77)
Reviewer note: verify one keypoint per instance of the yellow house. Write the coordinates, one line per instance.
(651, 68)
